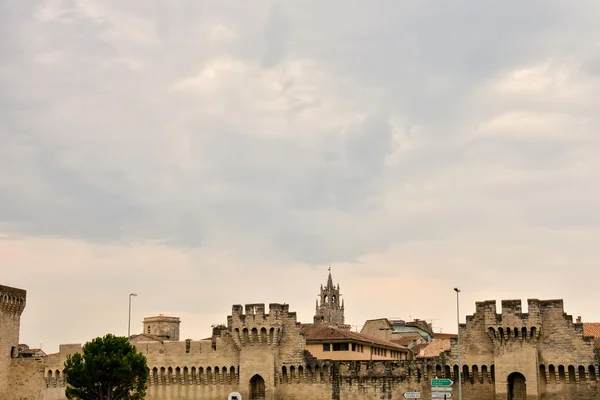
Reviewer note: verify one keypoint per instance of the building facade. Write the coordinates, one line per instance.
(266, 354)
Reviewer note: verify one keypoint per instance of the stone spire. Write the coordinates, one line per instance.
(330, 306)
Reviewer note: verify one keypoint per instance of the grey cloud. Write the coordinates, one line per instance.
(94, 134)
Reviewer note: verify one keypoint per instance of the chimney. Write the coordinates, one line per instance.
(579, 319)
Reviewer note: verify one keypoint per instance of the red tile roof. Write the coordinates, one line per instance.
(434, 348)
(592, 329)
(320, 332)
(444, 335)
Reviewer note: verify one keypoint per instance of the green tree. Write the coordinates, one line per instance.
(110, 368)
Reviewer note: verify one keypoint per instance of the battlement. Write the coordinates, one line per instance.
(250, 326)
(513, 323)
(255, 313)
(12, 300)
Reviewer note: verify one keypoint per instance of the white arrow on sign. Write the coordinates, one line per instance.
(412, 395)
(440, 395)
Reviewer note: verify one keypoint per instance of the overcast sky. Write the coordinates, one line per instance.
(210, 153)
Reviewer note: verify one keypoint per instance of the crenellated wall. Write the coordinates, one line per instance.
(524, 347)
(513, 355)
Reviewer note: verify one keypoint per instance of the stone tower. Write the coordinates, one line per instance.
(12, 304)
(330, 310)
(162, 326)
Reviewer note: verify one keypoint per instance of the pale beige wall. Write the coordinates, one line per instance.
(162, 326)
(379, 328)
(316, 349)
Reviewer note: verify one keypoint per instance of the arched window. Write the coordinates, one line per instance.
(263, 335)
(542, 373)
(447, 373)
(524, 333)
(254, 336)
(475, 376)
(466, 376)
(484, 373)
(271, 336)
(552, 373)
(571, 370)
(561, 373)
(232, 374)
(592, 371)
(284, 376)
(516, 333)
(581, 373)
(533, 332)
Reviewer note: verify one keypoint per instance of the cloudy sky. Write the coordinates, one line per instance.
(210, 153)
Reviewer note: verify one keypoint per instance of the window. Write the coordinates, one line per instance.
(353, 346)
(148, 329)
(326, 346)
(341, 347)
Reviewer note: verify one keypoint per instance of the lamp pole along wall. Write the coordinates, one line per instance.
(129, 320)
(457, 290)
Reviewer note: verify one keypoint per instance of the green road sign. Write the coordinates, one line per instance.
(441, 382)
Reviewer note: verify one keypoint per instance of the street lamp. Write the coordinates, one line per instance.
(457, 290)
(129, 321)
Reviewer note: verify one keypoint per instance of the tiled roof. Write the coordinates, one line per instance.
(592, 329)
(444, 335)
(325, 332)
(144, 337)
(407, 340)
(435, 347)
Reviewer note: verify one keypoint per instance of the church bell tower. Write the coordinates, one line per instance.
(330, 306)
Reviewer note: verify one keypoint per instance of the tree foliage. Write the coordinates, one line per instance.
(110, 368)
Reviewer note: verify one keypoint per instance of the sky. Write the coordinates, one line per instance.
(210, 153)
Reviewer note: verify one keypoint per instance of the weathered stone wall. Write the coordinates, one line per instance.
(543, 346)
(12, 304)
(315, 379)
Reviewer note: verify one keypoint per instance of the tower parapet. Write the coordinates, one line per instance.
(162, 326)
(250, 326)
(12, 305)
(12, 300)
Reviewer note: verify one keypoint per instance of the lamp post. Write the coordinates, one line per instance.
(457, 290)
(129, 320)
